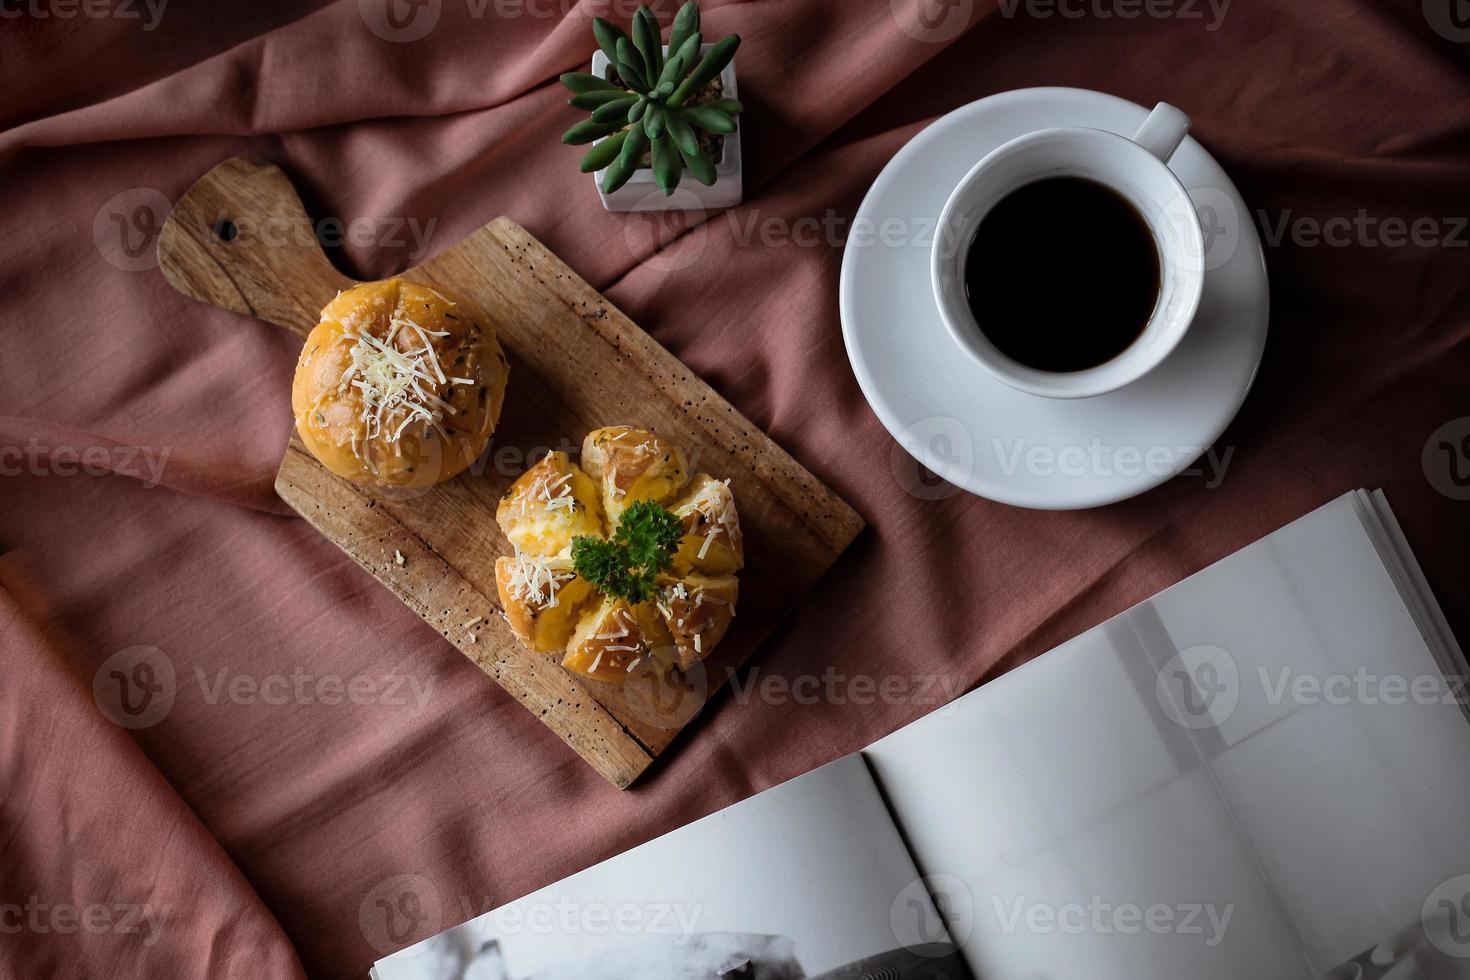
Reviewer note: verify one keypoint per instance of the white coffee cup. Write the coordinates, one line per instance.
(1135, 168)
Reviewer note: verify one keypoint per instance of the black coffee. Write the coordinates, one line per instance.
(1063, 274)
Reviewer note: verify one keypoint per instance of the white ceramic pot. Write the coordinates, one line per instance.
(641, 192)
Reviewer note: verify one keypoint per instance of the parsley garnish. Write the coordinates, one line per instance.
(642, 547)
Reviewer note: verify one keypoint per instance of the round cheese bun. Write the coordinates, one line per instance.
(399, 385)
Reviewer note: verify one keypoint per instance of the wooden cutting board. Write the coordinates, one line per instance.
(240, 240)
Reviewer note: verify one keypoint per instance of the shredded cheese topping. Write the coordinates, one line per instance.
(399, 378)
(554, 494)
(718, 510)
(622, 626)
(535, 579)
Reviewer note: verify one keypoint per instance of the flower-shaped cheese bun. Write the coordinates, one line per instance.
(671, 626)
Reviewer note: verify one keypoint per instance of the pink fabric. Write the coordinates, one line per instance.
(259, 829)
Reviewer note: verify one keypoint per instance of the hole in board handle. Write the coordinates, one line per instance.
(226, 230)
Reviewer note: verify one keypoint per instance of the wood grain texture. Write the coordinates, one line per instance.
(577, 363)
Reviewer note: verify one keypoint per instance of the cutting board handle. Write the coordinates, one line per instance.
(240, 240)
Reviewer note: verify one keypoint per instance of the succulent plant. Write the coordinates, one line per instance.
(649, 114)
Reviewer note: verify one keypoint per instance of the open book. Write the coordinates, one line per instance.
(1262, 772)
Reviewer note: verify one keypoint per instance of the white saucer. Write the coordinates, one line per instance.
(977, 433)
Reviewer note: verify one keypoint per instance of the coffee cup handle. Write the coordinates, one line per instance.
(1163, 131)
